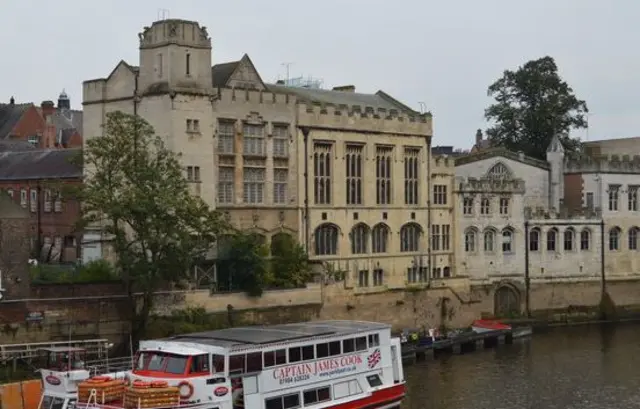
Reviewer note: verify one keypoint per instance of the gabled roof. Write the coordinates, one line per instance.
(40, 164)
(68, 119)
(222, 73)
(10, 115)
(130, 67)
(501, 152)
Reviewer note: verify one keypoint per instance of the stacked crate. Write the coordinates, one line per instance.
(146, 395)
(107, 389)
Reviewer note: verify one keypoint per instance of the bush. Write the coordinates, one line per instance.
(94, 271)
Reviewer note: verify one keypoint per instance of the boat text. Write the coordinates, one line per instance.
(326, 367)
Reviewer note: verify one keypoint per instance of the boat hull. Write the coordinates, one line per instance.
(489, 326)
(388, 398)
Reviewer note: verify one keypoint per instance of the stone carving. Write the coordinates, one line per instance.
(146, 34)
(173, 29)
(204, 35)
(256, 217)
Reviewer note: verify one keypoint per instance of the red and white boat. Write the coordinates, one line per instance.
(321, 364)
(489, 326)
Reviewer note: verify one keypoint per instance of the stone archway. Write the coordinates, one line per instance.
(506, 301)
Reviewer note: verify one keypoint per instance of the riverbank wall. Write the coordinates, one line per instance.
(100, 311)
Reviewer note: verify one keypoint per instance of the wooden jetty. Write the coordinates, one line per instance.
(458, 344)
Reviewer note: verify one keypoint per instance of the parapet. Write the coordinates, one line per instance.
(364, 118)
(542, 213)
(490, 185)
(604, 163)
(241, 95)
(443, 161)
(174, 31)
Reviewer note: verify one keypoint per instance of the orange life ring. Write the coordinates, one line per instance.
(189, 393)
(159, 384)
(99, 379)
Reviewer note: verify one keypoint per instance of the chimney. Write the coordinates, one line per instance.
(478, 136)
(345, 88)
(12, 101)
(48, 108)
(280, 82)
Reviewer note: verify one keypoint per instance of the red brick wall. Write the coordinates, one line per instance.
(75, 141)
(14, 257)
(573, 188)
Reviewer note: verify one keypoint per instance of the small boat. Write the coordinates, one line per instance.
(480, 326)
(521, 332)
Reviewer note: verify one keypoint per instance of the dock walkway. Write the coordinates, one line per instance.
(458, 344)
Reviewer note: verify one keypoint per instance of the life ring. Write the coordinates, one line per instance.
(189, 387)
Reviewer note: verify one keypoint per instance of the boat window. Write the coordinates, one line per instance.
(307, 353)
(199, 364)
(334, 348)
(277, 357)
(348, 345)
(374, 381)
(50, 402)
(236, 363)
(162, 362)
(218, 362)
(295, 354)
(254, 362)
(322, 350)
(374, 340)
(347, 388)
(313, 396)
(290, 401)
(361, 343)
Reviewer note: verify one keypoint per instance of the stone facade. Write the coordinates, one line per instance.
(346, 173)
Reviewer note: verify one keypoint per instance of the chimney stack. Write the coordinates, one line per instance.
(48, 108)
(12, 101)
(345, 88)
(478, 136)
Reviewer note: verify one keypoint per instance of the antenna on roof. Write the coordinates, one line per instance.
(287, 65)
(163, 14)
(423, 107)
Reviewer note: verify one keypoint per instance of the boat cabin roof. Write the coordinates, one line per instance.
(62, 349)
(260, 336)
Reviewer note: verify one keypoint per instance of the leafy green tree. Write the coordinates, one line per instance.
(289, 262)
(136, 193)
(532, 105)
(243, 263)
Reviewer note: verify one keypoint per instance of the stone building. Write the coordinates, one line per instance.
(515, 225)
(346, 173)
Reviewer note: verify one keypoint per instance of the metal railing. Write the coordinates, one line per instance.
(28, 351)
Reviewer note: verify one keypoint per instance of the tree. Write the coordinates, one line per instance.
(289, 263)
(136, 192)
(243, 263)
(532, 105)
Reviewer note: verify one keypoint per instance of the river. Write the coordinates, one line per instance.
(586, 367)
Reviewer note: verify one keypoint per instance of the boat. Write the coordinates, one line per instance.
(522, 332)
(323, 364)
(481, 326)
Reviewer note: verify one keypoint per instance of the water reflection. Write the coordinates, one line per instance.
(567, 368)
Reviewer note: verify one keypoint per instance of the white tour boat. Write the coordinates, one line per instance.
(320, 364)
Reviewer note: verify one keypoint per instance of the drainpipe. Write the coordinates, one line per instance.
(429, 254)
(39, 220)
(307, 220)
(527, 284)
(603, 281)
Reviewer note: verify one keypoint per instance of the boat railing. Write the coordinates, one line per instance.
(109, 365)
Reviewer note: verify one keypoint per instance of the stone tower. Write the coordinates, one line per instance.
(555, 158)
(174, 55)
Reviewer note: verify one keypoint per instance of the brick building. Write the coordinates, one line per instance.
(15, 229)
(64, 125)
(35, 180)
(21, 122)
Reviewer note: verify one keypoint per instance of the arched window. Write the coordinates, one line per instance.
(534, 239)
(614, 239)
(326, 237)
(633, 238)
(410, 237)
(585, 239)
(446, 272)
(380, 238)
(470, 238)
(499, 171)
(359, 239)
(507, 240)
(569, 237)
(552, 240)
(489, 240)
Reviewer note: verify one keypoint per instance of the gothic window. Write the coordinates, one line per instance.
(614, 238)
(380, 238)
(470, 238)
(499, 171)
(632, 196)
(552, 239)
(435, 237)
(507, 240)
(254, 185)
(353, 162)
(534, 239)
(280, 141)
(225, 184)
(489, 240)
(614, 193)
(280, 177)
(410, 237)
(226, 137)
(585, 239)
(569, 236)
(322, 173)
(383, 175)
(504, 205)
(467, 206)
(326, 240)
(359, 239)
(439, 194)
(411, 175)
(253, 140)
(485, 206)
(633, 238)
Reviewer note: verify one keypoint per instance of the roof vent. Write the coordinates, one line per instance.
(345, 88)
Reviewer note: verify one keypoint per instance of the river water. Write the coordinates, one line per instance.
(586, 367)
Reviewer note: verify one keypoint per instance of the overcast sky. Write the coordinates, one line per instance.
(443, 53)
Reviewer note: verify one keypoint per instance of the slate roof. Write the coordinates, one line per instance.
(220, 73)
(39, 164)
(13, 145)
(10, 114)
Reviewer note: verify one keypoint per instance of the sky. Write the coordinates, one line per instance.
(440, 55)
